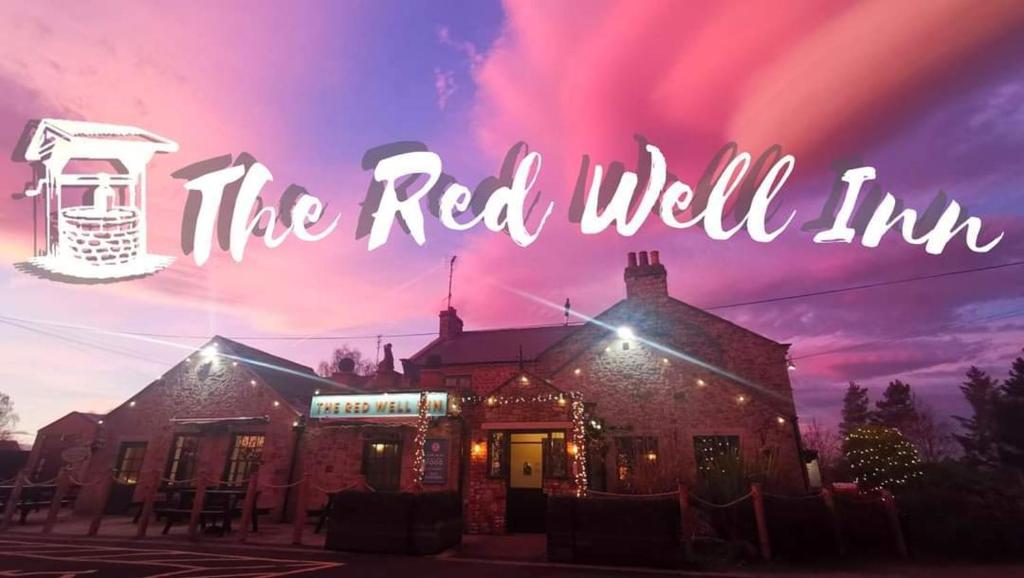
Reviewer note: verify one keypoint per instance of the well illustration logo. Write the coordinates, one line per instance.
(89, 182)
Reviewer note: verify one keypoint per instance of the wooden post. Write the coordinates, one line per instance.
(197, 507)
(300, 512)
(63, 484)
(889, 502)
(762, 524)
(837, 530)
(12, 500)
(148, 505)
(249, 504)
(685, 526)
(105, 487)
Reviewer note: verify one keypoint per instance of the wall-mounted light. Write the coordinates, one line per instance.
(652, 456)
(701, 382)
(478, 449)
(571, 448)
(316, 392)
(561, 400)
(252, 382)
(741, 398)
(524, 380)
(276, 403)
(131, 403)
(577, 371)
(210, 351)
(781, 420)
(664, 360)
(625, 332)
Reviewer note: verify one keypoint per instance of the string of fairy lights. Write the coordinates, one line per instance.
(881, 457)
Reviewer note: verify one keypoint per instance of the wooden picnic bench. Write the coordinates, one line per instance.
(220, 506)
(34, 499)
(321, 513)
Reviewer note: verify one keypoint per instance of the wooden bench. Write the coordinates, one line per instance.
(34, 499)
(321, 514)
(219, 504)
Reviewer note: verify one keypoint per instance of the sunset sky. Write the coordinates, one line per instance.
(930, 93)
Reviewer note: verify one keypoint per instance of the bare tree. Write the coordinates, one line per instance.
(932, 435)
(827, 443)
(336, 363)
(8, 419)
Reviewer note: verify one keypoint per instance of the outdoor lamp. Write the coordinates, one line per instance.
(625, 333)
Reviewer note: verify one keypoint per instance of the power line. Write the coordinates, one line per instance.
(867, 286)
(864, 344)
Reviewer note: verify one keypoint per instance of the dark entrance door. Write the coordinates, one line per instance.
(527, 504)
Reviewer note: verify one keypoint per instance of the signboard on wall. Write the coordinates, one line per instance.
(435, 461)
(377, 405)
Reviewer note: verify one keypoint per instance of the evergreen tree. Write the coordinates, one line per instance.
(856, 409)
(979, 437)
(1010, 417)
(880, 457)
(896, 409)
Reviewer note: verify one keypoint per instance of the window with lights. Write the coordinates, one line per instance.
(244, 458)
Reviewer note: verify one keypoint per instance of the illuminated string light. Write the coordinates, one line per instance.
(418, 456)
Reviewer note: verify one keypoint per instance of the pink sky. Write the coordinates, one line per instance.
(930, 93)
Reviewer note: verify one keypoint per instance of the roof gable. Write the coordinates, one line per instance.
(495, 345)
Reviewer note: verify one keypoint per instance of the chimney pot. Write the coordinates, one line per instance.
(646, 278)
(631, 259)
(451, 324)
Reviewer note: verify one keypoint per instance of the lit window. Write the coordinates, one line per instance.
(382, 464)
(244, 458)
(129, 462)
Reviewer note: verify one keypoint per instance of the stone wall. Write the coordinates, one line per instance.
(197, 388)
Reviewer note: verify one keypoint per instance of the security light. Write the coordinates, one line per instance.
(625, 333)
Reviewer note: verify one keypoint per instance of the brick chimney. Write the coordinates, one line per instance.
(451, 325)
(645, 276)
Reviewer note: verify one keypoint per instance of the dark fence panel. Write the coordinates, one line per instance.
(393, 522)
(801, 528)
(616, 531)
(865, 527)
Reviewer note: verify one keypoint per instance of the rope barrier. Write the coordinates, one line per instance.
(344, 488)
(816, 496)
(78, 482)
(634, 496)
(29, 483)
(280, 486)
(183, 482)
(726, 505)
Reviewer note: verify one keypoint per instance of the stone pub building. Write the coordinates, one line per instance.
(668, 394)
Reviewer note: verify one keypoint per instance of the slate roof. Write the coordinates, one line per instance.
(495, 345)
(294, 382)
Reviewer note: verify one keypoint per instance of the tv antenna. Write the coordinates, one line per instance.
(451, 274)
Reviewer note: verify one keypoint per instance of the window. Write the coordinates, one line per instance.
(129, 462)
(716, 453)
(497, 454)
(457, 381)
(556, 456)
(635, 454)
(382, 464)
(181, 463)
(244, 458)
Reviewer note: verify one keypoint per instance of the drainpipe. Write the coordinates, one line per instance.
(299, 430)
(800, 451)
